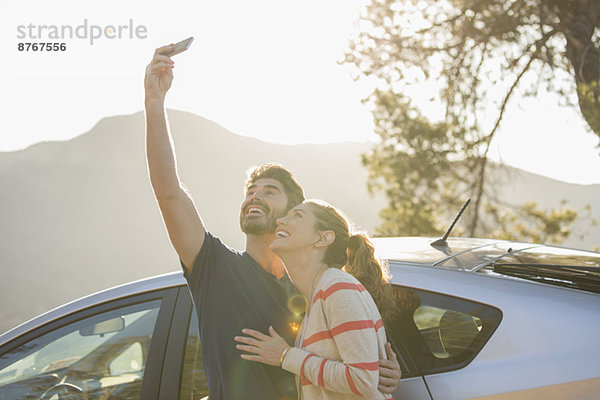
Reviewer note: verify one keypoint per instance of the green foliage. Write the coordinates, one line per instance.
(486, 48)
(588, 103)
(532, 224)
(411, 164)
(478, 52)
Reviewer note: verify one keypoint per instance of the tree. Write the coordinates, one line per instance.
(532, 224)
(479, 52)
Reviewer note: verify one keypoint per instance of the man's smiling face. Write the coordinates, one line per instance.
(265, 202)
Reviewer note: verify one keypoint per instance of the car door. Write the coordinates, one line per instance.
(434, 333)
(183, 373)
(439, 334)
(113, 350)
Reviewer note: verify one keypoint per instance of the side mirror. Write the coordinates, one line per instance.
(108, 326)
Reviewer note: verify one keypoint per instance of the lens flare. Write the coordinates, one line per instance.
(294, 326)
(297, 304)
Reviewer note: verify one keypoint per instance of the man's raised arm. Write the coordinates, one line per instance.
(181, 218)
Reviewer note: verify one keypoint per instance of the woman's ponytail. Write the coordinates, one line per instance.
(374, 276)
(355, 254)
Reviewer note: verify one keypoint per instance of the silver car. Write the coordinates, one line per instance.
(477, 318)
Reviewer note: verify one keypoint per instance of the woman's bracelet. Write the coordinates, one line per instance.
(283, 356)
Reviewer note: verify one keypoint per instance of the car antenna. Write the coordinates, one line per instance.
(442, 242)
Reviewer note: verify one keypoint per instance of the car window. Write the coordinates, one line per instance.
(440, 332)
(102, 356)
(193, 381)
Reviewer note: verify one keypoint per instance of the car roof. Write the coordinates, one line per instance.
(132, 288)
(541, 263)
(421, 250)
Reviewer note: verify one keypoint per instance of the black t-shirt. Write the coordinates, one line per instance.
(231, 292)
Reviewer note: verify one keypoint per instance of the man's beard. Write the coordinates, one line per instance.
(258, 225)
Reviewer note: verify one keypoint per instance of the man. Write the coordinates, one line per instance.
(231, 289)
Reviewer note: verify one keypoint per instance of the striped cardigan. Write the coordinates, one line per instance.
(343, 341)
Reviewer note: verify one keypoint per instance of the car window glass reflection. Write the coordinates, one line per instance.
(102, 356)
(193, 381)
(447, 333)
(439, 332)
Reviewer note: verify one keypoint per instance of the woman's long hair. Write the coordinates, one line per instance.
(355, 254)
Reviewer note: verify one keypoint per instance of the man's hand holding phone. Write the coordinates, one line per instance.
(178, 47)
(159, 73)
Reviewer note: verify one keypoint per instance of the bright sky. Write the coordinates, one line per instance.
(265, 68)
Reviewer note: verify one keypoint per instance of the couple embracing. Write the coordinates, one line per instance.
(298, 314)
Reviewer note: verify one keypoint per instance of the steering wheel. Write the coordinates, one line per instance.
(62, 390)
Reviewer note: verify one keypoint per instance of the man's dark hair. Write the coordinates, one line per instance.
(292, 188)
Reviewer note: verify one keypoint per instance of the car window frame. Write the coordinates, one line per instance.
(156, 353)
(481, 344)
(172, 372)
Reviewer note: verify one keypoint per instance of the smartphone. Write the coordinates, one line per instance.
(179, 47)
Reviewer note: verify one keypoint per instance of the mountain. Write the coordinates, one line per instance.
(79, 216)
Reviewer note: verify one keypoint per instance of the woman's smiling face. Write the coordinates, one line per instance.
(297, 230)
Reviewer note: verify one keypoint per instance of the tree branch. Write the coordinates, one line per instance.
(490, 136)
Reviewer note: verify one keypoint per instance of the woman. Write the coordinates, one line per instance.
(342, 337)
